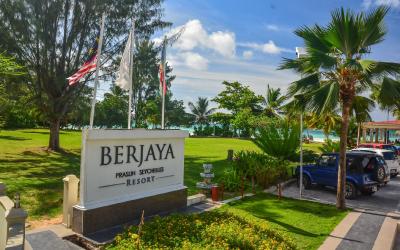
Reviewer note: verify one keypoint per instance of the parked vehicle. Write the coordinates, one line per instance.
(388, 155)
(365, 171)
(381, 146)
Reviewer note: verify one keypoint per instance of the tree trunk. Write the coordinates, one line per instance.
(340, 197)
(54, 141)
(358, 134)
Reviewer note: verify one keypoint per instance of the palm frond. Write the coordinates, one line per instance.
(306, 84)
(374, 30)
(324, 98)
(389, 92)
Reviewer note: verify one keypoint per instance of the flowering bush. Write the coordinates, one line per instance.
(209, 230)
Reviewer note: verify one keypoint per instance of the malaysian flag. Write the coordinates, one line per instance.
(89, 65)
(163, 84)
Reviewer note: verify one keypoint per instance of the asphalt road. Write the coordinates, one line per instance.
(386, 199)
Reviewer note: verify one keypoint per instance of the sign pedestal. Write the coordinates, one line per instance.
(93, 220)
(125, 172)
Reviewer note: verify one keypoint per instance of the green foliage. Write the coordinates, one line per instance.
(231, 180)
(111, 112)
(279, 139)
(52, 40)
(236, 96)
(8, 67)
(201, 111)
(336, 56)
(308, 223)
(265, 169)
(200, 231)
(330, 147)
(244, 105)
(274, 102)
(327, 121)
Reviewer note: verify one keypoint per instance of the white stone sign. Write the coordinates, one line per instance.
(124, 165)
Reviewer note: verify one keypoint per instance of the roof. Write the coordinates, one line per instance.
(395, 124)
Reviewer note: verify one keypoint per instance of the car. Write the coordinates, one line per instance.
(380, 145)
(365, 172)
(398, 149)
(388, 155)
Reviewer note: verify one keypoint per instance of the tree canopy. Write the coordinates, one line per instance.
(52, 38)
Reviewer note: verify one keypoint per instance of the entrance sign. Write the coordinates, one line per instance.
(121, 166)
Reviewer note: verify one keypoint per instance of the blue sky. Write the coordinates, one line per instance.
(246, 40)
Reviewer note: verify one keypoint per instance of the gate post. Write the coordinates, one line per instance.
(70, 198)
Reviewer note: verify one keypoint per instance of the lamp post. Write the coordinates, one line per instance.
(301, 52)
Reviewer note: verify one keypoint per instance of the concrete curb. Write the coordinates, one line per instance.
(284, 184)
(340, 231)
(387, 234)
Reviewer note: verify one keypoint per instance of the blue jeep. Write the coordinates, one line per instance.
(365, 171)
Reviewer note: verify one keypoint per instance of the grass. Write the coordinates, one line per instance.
(26, 167)
(307, 223)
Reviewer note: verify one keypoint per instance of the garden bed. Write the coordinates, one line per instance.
(259, 222)
(209, 230)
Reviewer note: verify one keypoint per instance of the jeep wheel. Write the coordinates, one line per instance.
(306, 182)
(380, 174)
(351, 191)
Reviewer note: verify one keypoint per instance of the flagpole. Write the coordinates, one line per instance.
(131, 75)
(163, 87)
(96, 79)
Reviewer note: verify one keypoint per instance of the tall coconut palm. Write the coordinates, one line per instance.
(273, 102)
(335, 70)
(201, 111)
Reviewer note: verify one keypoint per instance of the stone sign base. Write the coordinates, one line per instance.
(87, 221)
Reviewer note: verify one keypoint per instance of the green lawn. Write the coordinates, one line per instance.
(307, 223)
(27, 168)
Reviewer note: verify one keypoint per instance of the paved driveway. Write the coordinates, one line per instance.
(387, 199)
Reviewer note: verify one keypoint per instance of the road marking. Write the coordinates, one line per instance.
(340, 231)
(387, 234)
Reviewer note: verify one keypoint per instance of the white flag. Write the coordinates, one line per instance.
(124, 79)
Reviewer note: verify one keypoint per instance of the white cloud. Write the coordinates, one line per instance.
(247, 54)
(194, 60)
(272, 27)
(393, 3)
(188, 59)
(223, 43)
(208, 83)
(195, 36)
(269, 48)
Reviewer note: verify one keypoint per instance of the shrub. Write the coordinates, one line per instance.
(263, 169)
(330, 147)
(309, 156)
(231, 180)
(209, 230)
(279, 139)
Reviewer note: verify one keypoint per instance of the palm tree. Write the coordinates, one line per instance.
(274, 102)
(201, 111)
(334, 70)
